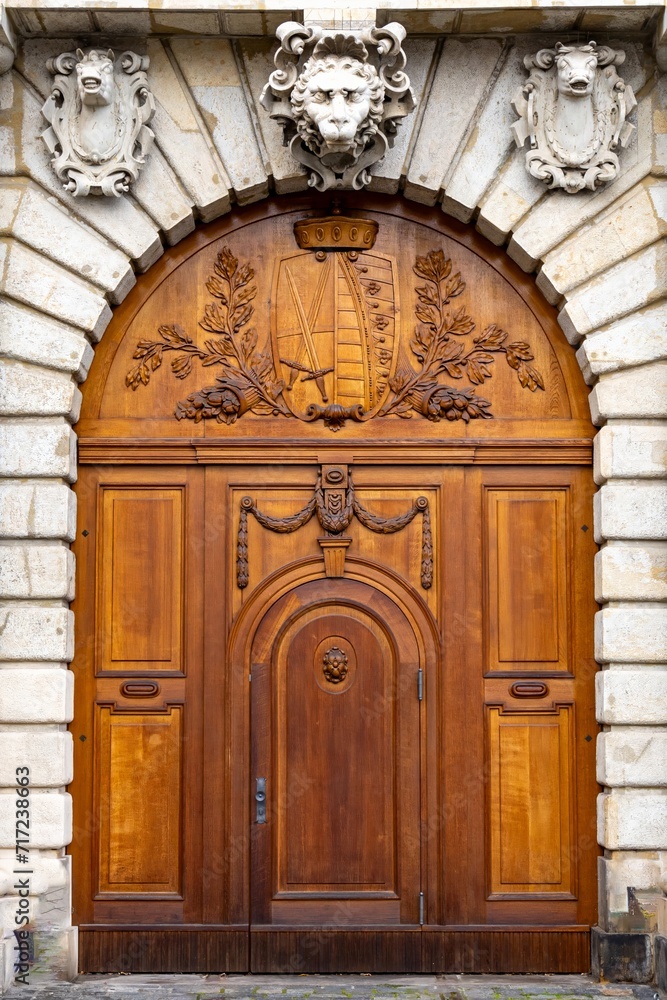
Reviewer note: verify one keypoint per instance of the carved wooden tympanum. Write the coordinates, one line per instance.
(336, 351)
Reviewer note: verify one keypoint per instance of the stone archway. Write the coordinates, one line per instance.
(601, 259)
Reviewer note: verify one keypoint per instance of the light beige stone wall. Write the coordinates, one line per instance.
(599, 257)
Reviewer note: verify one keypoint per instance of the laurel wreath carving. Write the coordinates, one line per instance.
(437, 346)
(249, 381)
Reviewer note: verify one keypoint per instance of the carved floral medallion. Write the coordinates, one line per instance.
(334, 351)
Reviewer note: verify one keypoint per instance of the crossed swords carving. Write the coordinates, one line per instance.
(315, 372)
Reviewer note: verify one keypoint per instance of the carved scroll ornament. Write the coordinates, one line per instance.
(335, 504)
(338, 99)
(573, 110)
(98, 114)
(300, 370)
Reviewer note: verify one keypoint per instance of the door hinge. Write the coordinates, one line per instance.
(421, 908)
(420, 684)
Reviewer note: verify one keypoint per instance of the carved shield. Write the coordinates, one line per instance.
(334, 329)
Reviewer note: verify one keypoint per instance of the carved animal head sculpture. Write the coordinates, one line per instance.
(576, 69)
(338, 98)
(573, 110)
(94, 77)
(98, 134)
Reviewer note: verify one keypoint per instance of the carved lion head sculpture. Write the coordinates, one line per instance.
(94, 77)
(338, 98)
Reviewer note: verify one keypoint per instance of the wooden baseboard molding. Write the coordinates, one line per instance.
(194, 948)
(285, 951)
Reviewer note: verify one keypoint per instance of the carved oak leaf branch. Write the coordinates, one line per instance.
(439, 354)
(249, 380)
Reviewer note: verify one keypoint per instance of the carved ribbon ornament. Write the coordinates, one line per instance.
(335, 508)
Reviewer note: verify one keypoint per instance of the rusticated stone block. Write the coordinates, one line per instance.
(633, 819)
(632, 756)
(40, 447)
(631, 696)
(35, 632)
(631, 572)
(36, 571)
(630, 451)
(50, 820)
(33, 693)
(47, 754)
(631, 635)
(37, 510)
(631, 510)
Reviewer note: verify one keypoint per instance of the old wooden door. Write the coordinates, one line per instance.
(334, 666)
(335, 760)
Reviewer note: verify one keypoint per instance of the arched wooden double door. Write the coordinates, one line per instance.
(334, 666)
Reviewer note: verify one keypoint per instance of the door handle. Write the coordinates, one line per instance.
(260, 800)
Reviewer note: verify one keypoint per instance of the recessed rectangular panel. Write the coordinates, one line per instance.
(141, 567)
(529, 800)
(336, 802)
(139, 802)
(526, 573)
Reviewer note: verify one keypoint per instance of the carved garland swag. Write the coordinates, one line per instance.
(249, 381)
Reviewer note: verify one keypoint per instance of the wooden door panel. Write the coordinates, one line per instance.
(336, 738)
(139, 841)
(141, 561)
(530, 803)
(335, 823)
(526, 561)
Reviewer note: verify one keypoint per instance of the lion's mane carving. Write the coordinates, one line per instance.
(339, 99)
(573, 110)
(98, 134)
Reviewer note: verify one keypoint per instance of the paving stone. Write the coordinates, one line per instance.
(237, 987)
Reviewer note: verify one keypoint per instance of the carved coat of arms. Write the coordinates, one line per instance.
(334, 351)
(98, 114)
(573, 109)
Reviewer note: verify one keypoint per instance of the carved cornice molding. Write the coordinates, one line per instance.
(573, 111)
(98, 112)
(339, 98)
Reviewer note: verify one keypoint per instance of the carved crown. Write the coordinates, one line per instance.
(336, 232)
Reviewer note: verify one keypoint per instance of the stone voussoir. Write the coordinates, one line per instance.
(41, 284)
(29, 390)
(635, 340)
(31, 336)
